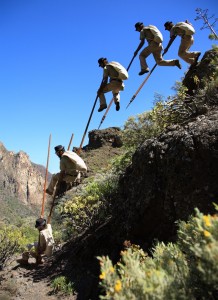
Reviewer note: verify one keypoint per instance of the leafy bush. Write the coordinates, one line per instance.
(187, 269)
(88, 207)
(63, 285)
(12, 240)
(139, 128)
(121, 162)
(199, 240)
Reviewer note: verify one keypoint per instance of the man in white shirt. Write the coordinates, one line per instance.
(185, 30)
(71, 165)
(44, 246)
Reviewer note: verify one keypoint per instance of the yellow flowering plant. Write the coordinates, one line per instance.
(12, 240)
(187, 269)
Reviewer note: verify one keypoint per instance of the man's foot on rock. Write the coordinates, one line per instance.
(102, 107)
(143, 72)
(197, 57)
(117, 106)
(193, 65)
(48, 192)
(177, 63)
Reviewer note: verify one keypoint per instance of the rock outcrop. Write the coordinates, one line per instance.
(20, 178)
(103, 145)
(176, 172)
(108, 136)
(169, 177)
(198, 77)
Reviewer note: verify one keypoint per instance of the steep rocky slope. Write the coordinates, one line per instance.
(21, 182)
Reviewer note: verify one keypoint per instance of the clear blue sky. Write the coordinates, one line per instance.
(49, 73)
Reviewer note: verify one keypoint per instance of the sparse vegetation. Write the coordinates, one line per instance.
(62, 285)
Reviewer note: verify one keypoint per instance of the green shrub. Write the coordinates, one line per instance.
(185, 270)
(198, 238)
(138, 128)
(62, 285)
(12, 240)
(121, 162)
(88, 207)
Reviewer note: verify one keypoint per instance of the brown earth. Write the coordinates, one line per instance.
(19, 282)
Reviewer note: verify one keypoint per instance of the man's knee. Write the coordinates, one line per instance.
(159, 61)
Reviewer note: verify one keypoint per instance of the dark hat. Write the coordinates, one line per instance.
(40, 222)
(101, 60)
(59, 148)
(138, 24)
(167, 24)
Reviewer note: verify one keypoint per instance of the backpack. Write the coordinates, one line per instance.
(122, 72)
(157, 34)
(189, 30)
(80, 164)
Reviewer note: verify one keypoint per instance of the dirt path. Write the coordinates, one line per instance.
(26, 283)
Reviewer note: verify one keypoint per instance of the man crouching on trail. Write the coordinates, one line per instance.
(42, 248)
(71, 165)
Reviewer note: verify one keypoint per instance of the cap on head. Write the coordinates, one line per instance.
(59, 148)
(168, 23)
(101, 60)
(138, 24)
(40, 222)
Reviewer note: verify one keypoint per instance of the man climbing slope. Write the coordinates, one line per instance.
(117, 73)
(154, 39)
(185, 30)
(71, 165)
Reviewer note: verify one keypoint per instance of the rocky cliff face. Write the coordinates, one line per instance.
(20, 178)
(170, 176)
(197, 78)
(176, 172)
(109, 136)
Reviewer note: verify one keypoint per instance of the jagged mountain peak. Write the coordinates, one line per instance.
(19, 177)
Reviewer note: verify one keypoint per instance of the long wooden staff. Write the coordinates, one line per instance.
(46, 176)
(144, 81)
(68, 148)
(87, 126)
(53, 202)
